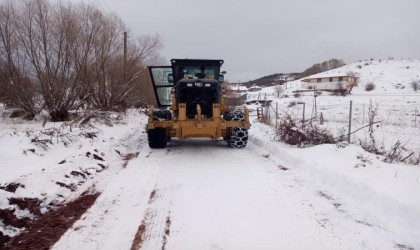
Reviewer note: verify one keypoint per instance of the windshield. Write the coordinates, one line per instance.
(196, 69)
(197, 72)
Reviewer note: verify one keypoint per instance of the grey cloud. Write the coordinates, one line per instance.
(256, 38)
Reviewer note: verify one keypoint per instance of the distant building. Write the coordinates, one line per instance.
(254, 88)
(330, 82)
(239, 89)
(236, 95)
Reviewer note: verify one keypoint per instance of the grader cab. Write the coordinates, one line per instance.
(191, 104)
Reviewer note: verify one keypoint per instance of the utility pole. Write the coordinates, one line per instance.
(303, 118)
(303, 115)
(125, 55)
(351, 107)
(314, 107)
(363, 114)
(277, 113)
(315, 96)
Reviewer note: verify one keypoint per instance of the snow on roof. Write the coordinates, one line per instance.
(242, 88)
(327, 74)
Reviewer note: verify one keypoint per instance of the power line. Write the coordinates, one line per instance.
(106, 5)
(102, 5)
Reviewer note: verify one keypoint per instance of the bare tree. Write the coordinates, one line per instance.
(106, 80)
(148, 47)
(278, 89)
(91, 26)
(17, 90)
(356, 79)
(49, 35)
(73, 54)
(111, 87)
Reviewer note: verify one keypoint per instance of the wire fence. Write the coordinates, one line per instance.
(390, 123)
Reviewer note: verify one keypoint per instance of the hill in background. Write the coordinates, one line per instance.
(270, 80)
(281, 78)
(389, 74)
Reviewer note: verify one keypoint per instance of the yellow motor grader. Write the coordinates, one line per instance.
(192, 104)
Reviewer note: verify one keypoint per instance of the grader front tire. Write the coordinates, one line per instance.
(238, 137)
(157, 138)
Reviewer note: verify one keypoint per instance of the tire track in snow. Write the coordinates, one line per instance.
(154, 229)
(230, 198)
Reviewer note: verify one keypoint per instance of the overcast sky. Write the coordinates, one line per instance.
(258, 38)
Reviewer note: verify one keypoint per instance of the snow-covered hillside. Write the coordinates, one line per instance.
(392, 76)
(396, 102)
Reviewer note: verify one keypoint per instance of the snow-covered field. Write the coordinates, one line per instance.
(398, 104)
(201, 194)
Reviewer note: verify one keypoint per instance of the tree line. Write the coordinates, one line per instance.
(275, 79)
(60, 56)
(321, 67)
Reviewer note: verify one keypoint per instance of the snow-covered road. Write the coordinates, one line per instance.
(200, 194)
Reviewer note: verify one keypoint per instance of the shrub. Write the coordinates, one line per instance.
(370, 144)
(339, 92)
(415, 85)
(290, 131)
(292, 104)
(370, 86)
(414, 160)
(396, 153)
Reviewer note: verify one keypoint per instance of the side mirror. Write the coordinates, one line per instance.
(170, 78)
(221, 78)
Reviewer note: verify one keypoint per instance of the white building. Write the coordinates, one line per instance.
(329, 82)
(254, 88)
